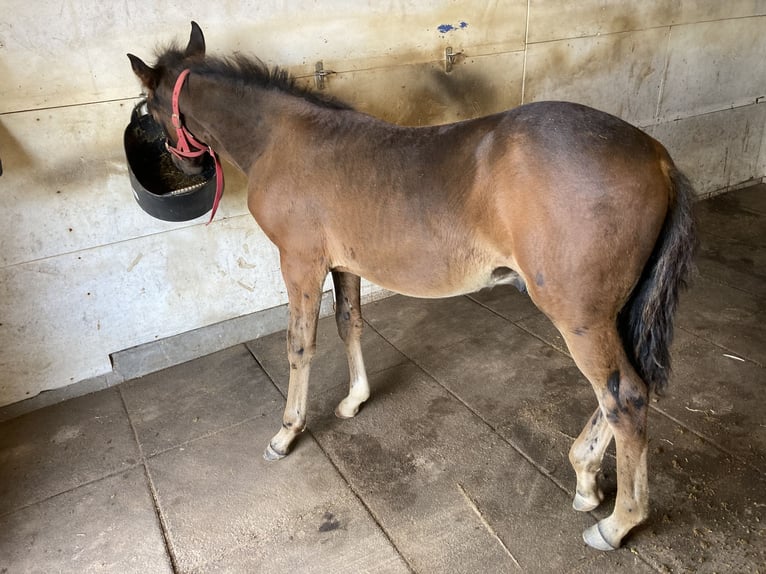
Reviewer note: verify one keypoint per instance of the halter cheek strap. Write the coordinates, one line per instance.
(188, 147)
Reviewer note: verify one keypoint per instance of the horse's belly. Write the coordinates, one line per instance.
(448, 277)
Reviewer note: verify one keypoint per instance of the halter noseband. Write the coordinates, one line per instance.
(188, 147)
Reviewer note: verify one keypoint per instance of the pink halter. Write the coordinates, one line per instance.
(188, 147)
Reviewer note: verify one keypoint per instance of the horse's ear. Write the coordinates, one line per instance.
(148, 76)
(196, 46)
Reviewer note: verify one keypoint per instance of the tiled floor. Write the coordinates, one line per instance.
(458, 463)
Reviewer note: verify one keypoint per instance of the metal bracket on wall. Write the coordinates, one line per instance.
(320, 74)
(450, 59)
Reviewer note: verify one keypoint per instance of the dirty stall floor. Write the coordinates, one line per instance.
(458, 462)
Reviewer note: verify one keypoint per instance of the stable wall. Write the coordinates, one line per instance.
(85, 274)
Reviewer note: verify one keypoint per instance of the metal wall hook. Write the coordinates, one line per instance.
(320, 74)
(450, 58)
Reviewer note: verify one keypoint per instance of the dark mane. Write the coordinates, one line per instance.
(244, 71)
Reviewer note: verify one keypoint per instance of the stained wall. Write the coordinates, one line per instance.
(85, 274)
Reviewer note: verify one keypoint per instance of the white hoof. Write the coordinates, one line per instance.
(586, 504)
(593, 538)
(346, 409)
(271, 455)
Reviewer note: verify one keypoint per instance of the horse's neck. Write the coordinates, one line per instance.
(240, 127)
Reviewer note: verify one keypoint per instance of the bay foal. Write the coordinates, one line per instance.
(584, 211)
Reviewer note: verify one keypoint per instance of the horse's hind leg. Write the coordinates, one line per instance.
(623, 403)
(304, 292)
(586, 455)
(348, 316)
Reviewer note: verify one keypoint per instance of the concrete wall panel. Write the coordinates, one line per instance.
(714, 66)
(718, 150)
(762, 160)
(618, 73)
(422, 94)
(554, 19)
(81, 58)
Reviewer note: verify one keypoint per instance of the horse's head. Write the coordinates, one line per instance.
(158, 83)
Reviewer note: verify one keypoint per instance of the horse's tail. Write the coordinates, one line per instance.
(646, 321)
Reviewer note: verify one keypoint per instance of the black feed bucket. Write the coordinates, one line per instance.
(160, 188)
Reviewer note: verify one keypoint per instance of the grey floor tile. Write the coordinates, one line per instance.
(622, 562)
(719, 397)
(732, 231)
(507, 302)
(731, 216)
(329, 368)
(418, 326)
(105, 526)
(542, 328)
(188, 401)
(228, 510)
(734, 263)
(728, 317)
(752, 198)
(63, 446)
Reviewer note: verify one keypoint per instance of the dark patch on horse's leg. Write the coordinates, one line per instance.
(637, 402)
(539, 279)
(622, 406)
(343, 305)
(613, 384)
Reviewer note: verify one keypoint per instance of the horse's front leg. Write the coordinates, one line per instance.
(348, 316)
(304, 292)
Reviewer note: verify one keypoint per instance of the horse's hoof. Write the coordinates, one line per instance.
(586, 504)
(271, 455)
(344, 411)
(593, 538)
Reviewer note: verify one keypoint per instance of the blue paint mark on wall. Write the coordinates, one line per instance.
(444, 28)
